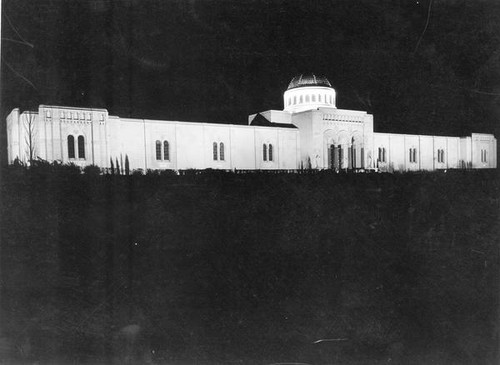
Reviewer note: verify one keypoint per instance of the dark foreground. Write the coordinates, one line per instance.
(224, 268)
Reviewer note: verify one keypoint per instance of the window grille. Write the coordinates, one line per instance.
(214, 149)
(158, 150)
(221, 151)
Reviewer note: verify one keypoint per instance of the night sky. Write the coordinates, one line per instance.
(418, 66)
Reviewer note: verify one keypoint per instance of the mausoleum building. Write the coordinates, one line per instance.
(310, 132)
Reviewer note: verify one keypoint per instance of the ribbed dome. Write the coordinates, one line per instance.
(308, 80)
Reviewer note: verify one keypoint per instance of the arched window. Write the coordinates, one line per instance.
(300, 99)
(264, 152)
(295, 100)
(483, 156)
(71, 147)
(270, 152)
(214, 149)
(221, 151)
(158, 150)
(307, 98)
(441, 156)
(166, 151)
(81, 147)
(413, 155)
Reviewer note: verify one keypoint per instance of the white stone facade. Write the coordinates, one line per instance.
(309, 133)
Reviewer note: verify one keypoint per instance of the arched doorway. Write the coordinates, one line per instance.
(334, 157)
(356, 153)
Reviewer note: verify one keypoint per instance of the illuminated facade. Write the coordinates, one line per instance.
(310, 132)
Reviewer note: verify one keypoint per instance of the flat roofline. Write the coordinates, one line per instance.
(73, 108)
(221, 124)
(418, 135)
(334, 110)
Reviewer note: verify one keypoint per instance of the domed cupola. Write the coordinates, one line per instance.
(308, 91)
(308, 80)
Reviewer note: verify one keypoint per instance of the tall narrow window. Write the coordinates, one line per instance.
(158, 150)
(413, 155)
(81, 147)
(300, 100)
(264, 152)
(319, 98)
(384, 157)
(71, 147)
(166, 151)
(440, 156)
(214, 150)
(270, 152)
(485, 159)
(313, 98)
(353, 156)
(295, 100)
(380, 154)
(221, 151)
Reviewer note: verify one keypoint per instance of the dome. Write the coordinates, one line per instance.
(308, 80)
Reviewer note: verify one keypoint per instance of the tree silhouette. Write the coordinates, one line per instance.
(29, 122)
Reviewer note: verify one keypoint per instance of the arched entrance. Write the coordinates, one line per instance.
(336, 150)
(356, 153)
(334, 157)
